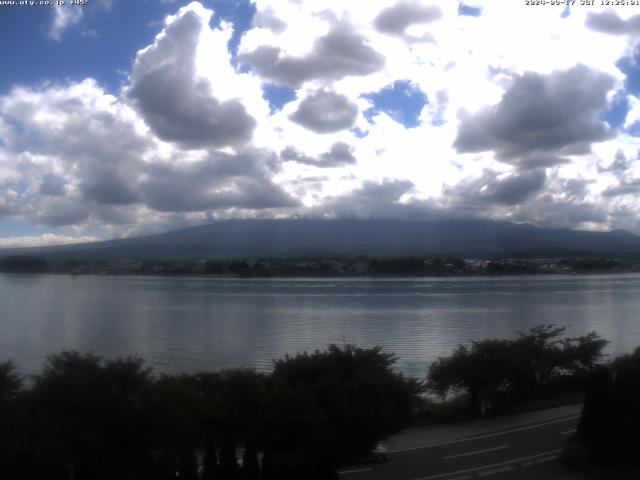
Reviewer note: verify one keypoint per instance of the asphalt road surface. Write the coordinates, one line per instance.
(473, 457)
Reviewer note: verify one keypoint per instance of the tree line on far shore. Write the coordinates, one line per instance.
(83, 417)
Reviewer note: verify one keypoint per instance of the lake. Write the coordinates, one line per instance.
(193, 324)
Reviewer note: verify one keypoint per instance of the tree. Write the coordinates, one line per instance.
(331, 406)
(174, 409)
(595, 421)
(610, 418)
(522, 368)
(231, 413)
(626, 408)
(90, 417)
(541, 355)
(11, 427)
(10, 382)
(482, 371)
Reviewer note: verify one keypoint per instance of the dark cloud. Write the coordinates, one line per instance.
(340, 53)
(564, 203)
(292, 154)
(476, 195)
(542, 160)
(372, 199)
(52, 185)
(396, 19)
(101, 148)
(178, 105)
(576, 188)
(549, 211)
(541, 118)
(113, 173)
(625, 187)
(545, 200)
(8, 205)
(63, 211)
(110, 188)
(98, 148)
(609, 22)
(117, 214)
(217, 182)
(325, 111)
(339, 155)
(515, 188)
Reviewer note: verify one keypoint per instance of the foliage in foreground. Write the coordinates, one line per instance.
(87, 418)
(499, 370)
(608, 429)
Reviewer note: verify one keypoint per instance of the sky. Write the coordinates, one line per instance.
(125, 118)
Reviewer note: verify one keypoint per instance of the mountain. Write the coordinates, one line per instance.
(309, 237)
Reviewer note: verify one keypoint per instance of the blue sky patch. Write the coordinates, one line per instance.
(401, 100)
(14, 228)
(278, 96)
(618, 110)
(633, 129)
(103, 45)
(358, 132)
(467, 11)
(238, 12)
(630, 66)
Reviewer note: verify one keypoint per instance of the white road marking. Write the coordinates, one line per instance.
(485, 467)
(544, 460)
(488, 435)
(477, 452)
(344, 472)
(494, 471)
(569, 432)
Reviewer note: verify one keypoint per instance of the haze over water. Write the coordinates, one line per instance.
(194, 324)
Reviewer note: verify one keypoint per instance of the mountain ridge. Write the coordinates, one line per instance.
(225, 239)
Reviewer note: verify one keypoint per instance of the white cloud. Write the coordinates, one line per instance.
(64, 16)
(175, 99)
(42, 240)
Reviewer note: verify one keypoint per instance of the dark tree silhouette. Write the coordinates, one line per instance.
(250, 464)
(332, 406)
(10, 382)
(595, 421)
(89, 418)
(12, 437)
(515, 369)
(481, 370)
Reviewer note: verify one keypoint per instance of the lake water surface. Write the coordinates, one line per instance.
(192, 324)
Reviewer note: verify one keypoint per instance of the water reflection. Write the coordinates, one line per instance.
(190, 324)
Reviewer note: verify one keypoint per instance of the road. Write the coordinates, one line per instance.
(473, 457)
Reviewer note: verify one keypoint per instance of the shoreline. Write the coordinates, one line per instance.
(370, 277)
